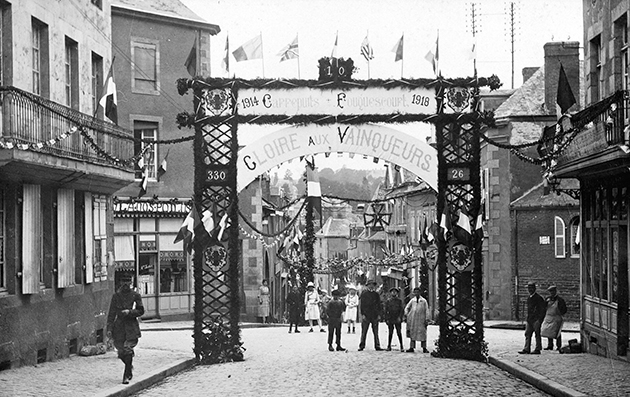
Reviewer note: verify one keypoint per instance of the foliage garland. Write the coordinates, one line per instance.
(334, 265)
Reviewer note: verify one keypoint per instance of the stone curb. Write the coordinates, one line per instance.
(147, 380)
(190, 327)
(539, 381)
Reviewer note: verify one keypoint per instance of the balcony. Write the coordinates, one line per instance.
(43, 142)
(601, 144)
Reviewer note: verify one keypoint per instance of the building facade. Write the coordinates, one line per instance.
(154, 44)
(59, 166)
(599, 156)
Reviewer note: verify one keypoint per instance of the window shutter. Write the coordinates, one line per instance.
(31, 238)
(65, 240)
(89, 240)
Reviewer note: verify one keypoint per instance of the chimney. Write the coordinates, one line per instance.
(528, 72)
(567, 53)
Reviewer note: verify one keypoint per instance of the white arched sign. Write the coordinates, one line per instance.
(368, 139)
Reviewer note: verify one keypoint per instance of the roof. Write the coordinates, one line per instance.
(165, 8)
(334, 227)
(534, 197)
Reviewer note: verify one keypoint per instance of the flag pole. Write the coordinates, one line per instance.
(367, 36)
(298, 58)
(402, 59)
(262, 55)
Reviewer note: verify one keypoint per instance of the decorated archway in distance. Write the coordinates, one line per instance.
(371, 140)
(220, 105)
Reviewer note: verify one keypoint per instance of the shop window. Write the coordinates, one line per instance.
(173, 264)
(65, 238)
(145, 67)
(575, 236)
(560, 245)
(39, 58)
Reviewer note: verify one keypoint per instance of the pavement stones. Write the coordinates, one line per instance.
(278, 363)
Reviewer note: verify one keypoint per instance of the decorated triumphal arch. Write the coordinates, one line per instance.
(336, 113)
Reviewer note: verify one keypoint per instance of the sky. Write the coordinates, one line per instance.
(317, 23)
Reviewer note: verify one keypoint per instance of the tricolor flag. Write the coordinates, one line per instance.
(191, 60)
(250, 50)
(333, 54)
(223, 224)
(203, 228)
(398, 48)
(565, 98)
(461, 230)
(226, 58)
(144, 182)
(163, 165)
(284, 244)
(445, 222)
(433, 232)
(434, 57)
(366, 50)
(291, 51)
(424, 237)
(297, 238)
(478, 233)
(187, 230)
(109, 100)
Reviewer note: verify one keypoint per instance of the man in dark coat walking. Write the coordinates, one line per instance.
(370, 305)
(536, 309)
(294, 303)
(122, 323)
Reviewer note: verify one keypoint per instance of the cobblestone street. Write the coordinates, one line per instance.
(282, 364)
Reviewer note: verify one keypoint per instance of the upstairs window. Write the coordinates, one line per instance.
(576, 237)
(97, 82)
(72, 73)
(560, 245)
(147, 131)
(39, 58)
(145, 66)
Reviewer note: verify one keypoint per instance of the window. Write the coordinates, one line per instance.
(32, 235)
(148, 131)
(72, 73)
(95, 238)
(65, 238)
(173, 266)
(145, 67)
(5, 39)
(97, 81)
(621, 34)
(39, 60)
(575, 237)
(559, 238)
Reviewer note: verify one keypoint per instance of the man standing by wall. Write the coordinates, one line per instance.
(536, 308)
(370, 304)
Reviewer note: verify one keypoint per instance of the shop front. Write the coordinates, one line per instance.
(144, 238)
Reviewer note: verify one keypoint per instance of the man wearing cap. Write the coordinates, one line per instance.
(536, 308)
(335, 310)
(370, 308)
(393, 317)
(122, 323)
(552, 324)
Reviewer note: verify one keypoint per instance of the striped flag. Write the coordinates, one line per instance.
(398, 48)
(334, 50)
(109, 100)
(250, 50)
(191, 60)
(366, 50)
(187, 230)
(434, 57)
(226, 58)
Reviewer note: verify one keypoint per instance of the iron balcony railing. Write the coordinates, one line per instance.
(26, 118)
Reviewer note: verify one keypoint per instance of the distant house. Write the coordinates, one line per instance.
(546, 247)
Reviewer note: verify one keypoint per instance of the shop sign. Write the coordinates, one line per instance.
(152, 207)
(147, 246)
(172, 256)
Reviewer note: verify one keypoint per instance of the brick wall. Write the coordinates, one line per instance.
(537, 262)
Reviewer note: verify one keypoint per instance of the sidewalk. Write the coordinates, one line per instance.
(554, 373)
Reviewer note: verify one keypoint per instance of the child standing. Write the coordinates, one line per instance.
(352, 302)
(393, 317)
(335, 311)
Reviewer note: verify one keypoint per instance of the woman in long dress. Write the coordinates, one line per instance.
(263, 301)
(352, 302)
(311, 303)
(417, 312)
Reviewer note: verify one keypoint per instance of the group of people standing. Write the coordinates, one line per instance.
(370, 310)
(544, 319)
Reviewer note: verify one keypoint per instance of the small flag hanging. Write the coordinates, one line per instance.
(163, 166)
(250, 50)
(226, 58)
(434, 57)
(478, 233)
(109, 100)
(445, 222)
(398, 48)
(191, 60)
(565, 98)
(462, 230)
(334, 50)
(314, 189)
(291, 51)
(187, 230)
(366, 50)
(144, 182)
(223, 224)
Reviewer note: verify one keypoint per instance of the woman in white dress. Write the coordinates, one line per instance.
(417, 312)
(311, 303)
(352, 302)
(263, 301)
